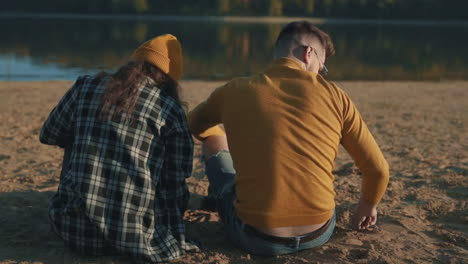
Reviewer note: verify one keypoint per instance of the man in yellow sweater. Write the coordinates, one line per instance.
(284, 127)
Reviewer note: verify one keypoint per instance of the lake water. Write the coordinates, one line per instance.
(58, 48)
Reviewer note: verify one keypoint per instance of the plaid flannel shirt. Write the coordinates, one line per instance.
(123, 178)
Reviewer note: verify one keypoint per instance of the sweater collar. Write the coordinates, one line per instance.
(286, 62)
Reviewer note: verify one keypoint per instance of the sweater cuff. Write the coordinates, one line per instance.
(212, 131)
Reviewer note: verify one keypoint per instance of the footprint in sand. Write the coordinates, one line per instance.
(354, 242)
(358, 254)
(392, 228)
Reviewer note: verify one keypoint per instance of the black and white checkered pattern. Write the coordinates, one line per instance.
(123, 179)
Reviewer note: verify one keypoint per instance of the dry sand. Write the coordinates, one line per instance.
(420, 126)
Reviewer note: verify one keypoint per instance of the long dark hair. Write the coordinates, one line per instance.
(122, 90)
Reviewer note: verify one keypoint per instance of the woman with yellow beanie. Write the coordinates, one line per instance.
(128, 151)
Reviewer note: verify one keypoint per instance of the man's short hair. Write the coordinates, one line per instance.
(295, 30)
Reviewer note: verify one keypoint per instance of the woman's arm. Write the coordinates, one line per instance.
(57, 129)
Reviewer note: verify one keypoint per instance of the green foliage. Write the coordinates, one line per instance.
(275, 8)
(141, 6)
(309, 6)
(223, 6)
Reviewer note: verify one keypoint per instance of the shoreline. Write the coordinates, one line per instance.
(236, 19)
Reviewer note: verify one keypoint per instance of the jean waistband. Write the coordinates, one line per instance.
(288, 240)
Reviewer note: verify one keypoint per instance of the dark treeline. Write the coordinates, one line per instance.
(371, 9)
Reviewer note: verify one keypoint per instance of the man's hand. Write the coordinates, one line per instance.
(365, 217)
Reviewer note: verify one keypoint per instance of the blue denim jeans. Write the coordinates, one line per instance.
(221, 175)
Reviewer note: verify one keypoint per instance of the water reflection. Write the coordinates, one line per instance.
(226, 50)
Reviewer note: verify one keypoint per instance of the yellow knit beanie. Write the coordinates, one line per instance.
(164, 52)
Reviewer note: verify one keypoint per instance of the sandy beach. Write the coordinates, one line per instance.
(421, 128)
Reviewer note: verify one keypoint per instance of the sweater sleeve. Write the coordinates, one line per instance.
(361, 145)
(205, 118)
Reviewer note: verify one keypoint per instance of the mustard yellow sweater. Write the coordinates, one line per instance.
(284, 127)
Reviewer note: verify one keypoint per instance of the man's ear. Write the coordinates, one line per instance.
(306, 55)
